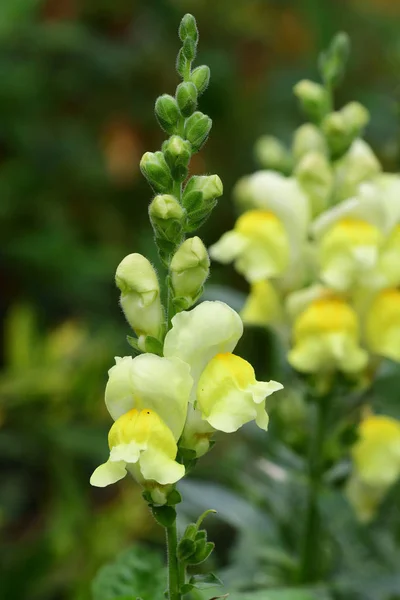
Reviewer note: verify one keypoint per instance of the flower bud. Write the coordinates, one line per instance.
(189, 270)
(167, 112)
(189, 49)
(197, 128)
(140, 295)
(313, 98)
(182, 64)
(201, 78)
(177, 153)
(308, 138)
(270, 153)
(166, 215)
(315, 176)
(188, 28)
(356, 117)
(210, 186)
(332, 62)
(156, 171)
(186, 97)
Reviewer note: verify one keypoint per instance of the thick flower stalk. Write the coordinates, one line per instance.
(184, 382)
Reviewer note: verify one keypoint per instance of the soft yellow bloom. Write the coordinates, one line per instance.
(162, 385)
(259, 245)
(382, 328)
(140, 295)
(229, 396)
(389, 261)
(225, 390)
(326, 337)
(349, 253)
(141, 442)
(263, 305)
(376, 457)
(315, 175)
(198, 335)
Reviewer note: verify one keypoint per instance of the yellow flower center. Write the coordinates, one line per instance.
(239, 369)
(326, 315)
(254, 222)
(134, 425)
(357, 232)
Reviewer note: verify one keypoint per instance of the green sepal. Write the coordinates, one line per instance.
(133, 342)
(201, 535)
(153, 345)
(192, 201)
(186, 588)
(190, 531)
(182, 64)
(203, 551)
(174, 498)
(186, 549)
(164, 515)
(146, 495)
(203, 581)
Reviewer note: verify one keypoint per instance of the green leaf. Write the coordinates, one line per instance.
(136, 573)
(204, 581)
(164, 515)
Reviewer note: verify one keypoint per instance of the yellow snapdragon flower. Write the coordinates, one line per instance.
(263, 306)
(382, 327)
(326, 337)
(376, 459)
(140, 440)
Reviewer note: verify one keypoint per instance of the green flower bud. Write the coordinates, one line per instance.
(166, 215)
(313, 98)
(167, 112)
(182, 64)
(308, 138)
(186, 97)
(156, 171)
(190, 267)
(315, 175)
(177, 154)
(197, 128)
(272, 154)
(210, 186)
(201, 78)
(140, 295)
(189, 49)
(332, 63)
(188, 28)
(356, 117)
(338, 133)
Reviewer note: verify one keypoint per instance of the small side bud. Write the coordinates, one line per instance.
(201, 78)
(332, 63)
(308, 138)
(189, 270)
(167, 112)
(356, 117)
(313, 98)
(182, 63)
(188, 28)
(140, 295)
(166, 216)
(210, 186)
(270, 153)
(177, 154)
(197, 128)
(156, 171)
(186, 97)
(189, 49)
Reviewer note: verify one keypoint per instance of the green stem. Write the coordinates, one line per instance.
(311, 549)
(173, 566)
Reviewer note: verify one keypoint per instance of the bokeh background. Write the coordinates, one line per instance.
(78, 83)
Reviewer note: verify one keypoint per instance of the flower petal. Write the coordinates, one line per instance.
(157, 465)
(108, 473)
(198, 335)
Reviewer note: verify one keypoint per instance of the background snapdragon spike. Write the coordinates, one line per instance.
(185, 383)
(318, 241)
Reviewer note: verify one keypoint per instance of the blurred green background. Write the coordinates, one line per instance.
(78, 83)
